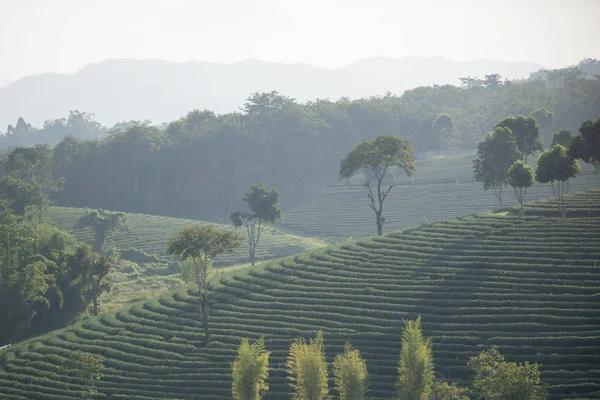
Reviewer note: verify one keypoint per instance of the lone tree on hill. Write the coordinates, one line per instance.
(586, 146)
(201, 244)
(250, 371)
(263, 203)
(350, 375)
(307, 369)
(555, 165)
(520, 177)
(527, 134)
(379, 155)
(497, 153)
(415, 368)
(496, 379)
(564, 137)
(103, 223)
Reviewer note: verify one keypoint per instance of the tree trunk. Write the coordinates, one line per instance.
(252, 249)
(95, 305)
(204, 316)
(379, 224)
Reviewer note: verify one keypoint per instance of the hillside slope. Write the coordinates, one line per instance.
(125, 89)
(150, 234)
(530, 286)
(442, 188)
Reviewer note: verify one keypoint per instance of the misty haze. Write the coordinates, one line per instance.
(310, 200)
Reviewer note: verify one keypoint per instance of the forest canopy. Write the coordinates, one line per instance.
(135, 166)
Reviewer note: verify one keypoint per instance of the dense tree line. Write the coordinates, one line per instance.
(200, 165)
(47, 278)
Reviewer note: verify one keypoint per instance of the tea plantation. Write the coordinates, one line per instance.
(530, 286)
(150, 233)
(442, 188)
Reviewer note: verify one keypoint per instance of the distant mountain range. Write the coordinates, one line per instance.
(119, 90)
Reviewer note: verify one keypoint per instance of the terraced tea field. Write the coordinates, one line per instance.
(530, 286)
(442, 188)
(150, 233)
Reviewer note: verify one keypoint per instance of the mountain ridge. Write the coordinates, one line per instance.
(125, 89)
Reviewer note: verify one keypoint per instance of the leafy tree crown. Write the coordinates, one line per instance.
(383, 152)
(520, 175)
(556, 165)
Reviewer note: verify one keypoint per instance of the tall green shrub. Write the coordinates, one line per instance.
(250, 371)
(415, 369)
(307, 369)
(350, 375)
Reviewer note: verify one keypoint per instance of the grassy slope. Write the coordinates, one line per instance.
(150, 233)
(530, 286)
(442, 188)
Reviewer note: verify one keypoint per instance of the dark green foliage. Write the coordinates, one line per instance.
(42, 284)
(526, 132)
(379, 156)
(520, 177)
(564, 137)
(556, 166)
(586, 146)
(22, 196)
(496, 154)
(94, 268)
(263, 203)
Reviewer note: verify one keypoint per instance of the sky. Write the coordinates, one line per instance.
(63, 36)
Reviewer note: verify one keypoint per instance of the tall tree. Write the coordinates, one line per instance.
(94, 268)
(496, 379)
(520, 177)
(444, 130)
(527, 134)
(545, 120)
(497, 152)
(263, 203)
(564, 137)
(415, 368)
(556, 166)
(22, 196)
(350, 375)
(33, 165)
(250, 371)
(586, 146)
(201, 244)
(307, 369)
(103, 223)
(379, 156)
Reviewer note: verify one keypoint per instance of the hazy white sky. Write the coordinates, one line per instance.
(64, 35)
